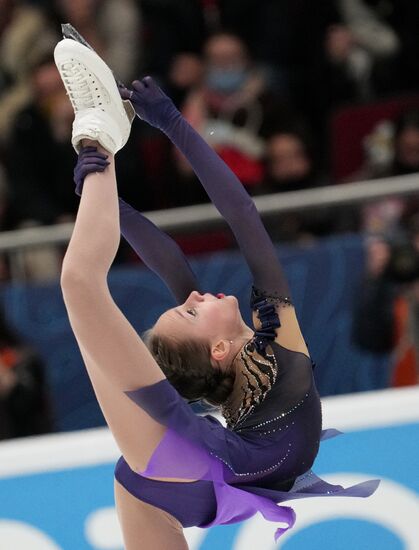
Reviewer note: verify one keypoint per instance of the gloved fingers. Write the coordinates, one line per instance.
(88, 149)
(125, 93)
(138, 86)
(84, 153)
(94, 160)
(149, 82)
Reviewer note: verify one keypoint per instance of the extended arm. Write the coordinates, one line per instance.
(157, 250)
(224, 189)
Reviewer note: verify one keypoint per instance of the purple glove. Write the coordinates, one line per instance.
(89, 161)
(150, 103)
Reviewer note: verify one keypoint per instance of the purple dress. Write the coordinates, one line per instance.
(264, 456)
(263, 459)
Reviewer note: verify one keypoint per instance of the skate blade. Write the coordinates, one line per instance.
(68, 31)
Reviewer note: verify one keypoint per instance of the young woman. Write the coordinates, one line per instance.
(179, 469)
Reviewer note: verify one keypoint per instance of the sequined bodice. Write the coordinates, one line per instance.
(255, 376)
(256, 365)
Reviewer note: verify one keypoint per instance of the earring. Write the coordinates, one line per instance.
(231, 341)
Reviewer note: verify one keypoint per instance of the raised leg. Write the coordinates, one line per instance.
(136, 433)
(100, 328)
(145, 526)
(115, 357)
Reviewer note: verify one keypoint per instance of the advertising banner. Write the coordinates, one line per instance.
(56, 492)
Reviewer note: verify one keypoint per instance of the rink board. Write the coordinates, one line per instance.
(56, 492)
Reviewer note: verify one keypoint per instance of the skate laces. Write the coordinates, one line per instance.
(78, 83)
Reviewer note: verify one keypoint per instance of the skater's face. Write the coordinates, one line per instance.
(202, 316)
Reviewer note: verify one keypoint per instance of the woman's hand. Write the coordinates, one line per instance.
(89, 161)
(150, 102)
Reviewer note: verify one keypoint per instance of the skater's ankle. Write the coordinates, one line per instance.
(93, 143)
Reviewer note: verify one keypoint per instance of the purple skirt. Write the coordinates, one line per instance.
(239, 474)
(199, 504)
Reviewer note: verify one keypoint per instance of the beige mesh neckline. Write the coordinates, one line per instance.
(255, 375)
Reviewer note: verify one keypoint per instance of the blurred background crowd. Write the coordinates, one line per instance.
(293, 94)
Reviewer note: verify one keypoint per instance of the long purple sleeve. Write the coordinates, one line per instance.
(158, 251)
(232, 201)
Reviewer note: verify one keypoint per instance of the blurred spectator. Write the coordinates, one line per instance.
(386, 313)
(375, 44)
(367, 22)
(6, 219)
(6, 214)
(403, 15)
(406, 144)
(340, 74)
(347, 67)
(373, 310)
(40, 165)
(170, 27)
(289, 163)
(406, 353)
(413, 228)
(286, 35)
(355, 63)
(290, 166)
(24, 404)
(391, 150)
(112, 27)
(185, 74)
(233, 108)
(373, 321)
(285, 38)
(24, 37)
(41, 158)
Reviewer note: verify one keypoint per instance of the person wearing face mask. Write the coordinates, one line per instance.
(233, 105)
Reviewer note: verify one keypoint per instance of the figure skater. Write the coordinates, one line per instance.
(179, 469)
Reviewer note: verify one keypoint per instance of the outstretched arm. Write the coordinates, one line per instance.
(157, 250)
(232, 201)
(223, 187)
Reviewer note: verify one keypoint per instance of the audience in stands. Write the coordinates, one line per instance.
(25, 36)
(386, 309)
(40, 157)
(373, 320)
(375, 45)
(233, 106)
(260, 81)
(290, 166)
(391, 150)
(243, 72)
(290, 163)
(5, 221)
(24, 404)
(185, 73)
(112, 27)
